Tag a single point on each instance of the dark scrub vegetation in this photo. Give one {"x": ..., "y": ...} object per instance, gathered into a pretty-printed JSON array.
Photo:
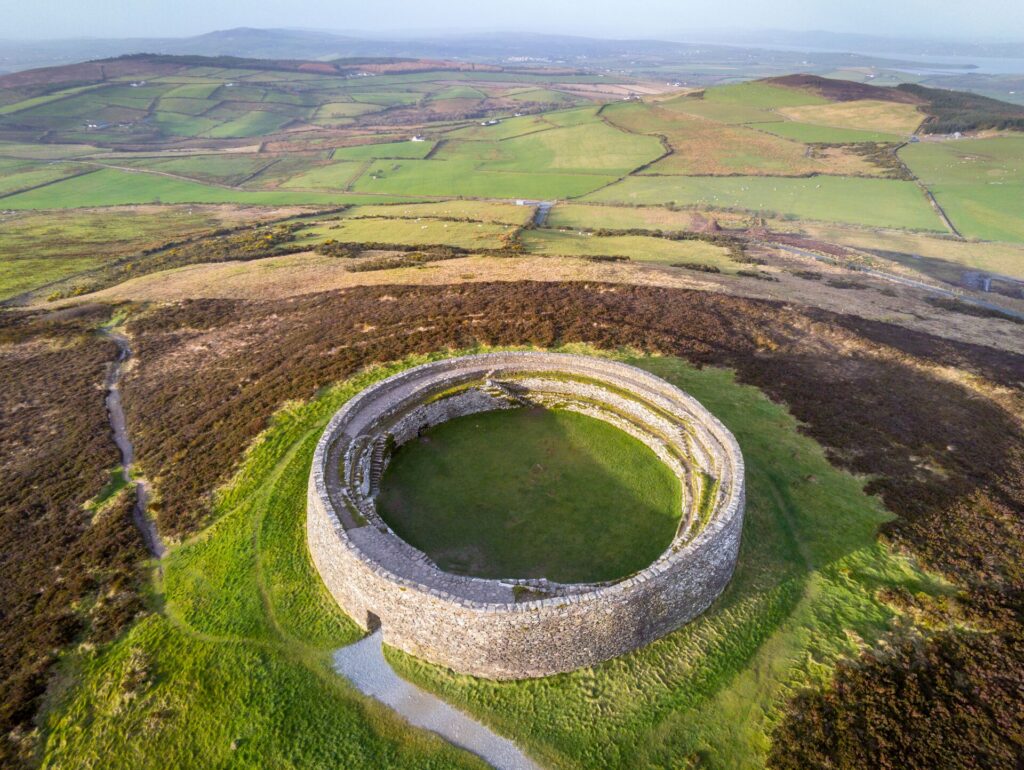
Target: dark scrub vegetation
[
  {"x": 68, "y": 573},
  {"x": 950, "y": 111}
]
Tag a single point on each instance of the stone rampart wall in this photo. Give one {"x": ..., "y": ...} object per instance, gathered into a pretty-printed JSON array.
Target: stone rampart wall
[{"x": 495, "y": 628}]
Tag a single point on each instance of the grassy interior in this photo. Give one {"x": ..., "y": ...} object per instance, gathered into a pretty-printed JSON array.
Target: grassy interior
[{"x": 532, "y": 493}]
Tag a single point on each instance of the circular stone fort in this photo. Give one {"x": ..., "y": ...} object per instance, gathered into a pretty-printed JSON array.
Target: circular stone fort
[{"x": 518, "y": 628}]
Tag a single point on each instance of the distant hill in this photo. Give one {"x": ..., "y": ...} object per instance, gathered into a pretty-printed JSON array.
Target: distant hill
[{"x": 152, "y": 65}]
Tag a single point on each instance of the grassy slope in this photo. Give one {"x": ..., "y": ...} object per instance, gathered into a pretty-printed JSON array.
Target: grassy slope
[
  {"x": 462, "y": 177},
  {"x": 235, "y": 671},
  {"x": 978, "y": 182},
  {"x": 477, "y": 495},
  {"x": 853, "y": 200},
  {"x": 805, "y": 592}
]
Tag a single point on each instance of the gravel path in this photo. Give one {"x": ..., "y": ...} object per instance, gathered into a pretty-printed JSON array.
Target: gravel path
[
  {"x": 364, "y": 665},
  {"x": 117, "y": 425}
]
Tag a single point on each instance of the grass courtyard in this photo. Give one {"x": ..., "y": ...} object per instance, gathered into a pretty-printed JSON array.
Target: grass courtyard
[{"x": 532, "y": 493}]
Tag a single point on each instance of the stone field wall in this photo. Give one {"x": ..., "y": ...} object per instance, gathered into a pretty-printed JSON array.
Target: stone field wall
[{"x": 511, "y": 629}]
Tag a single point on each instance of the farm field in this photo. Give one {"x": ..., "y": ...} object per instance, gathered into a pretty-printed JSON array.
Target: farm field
[
  {"x": 591, "y": 147},
  {"x": 853, "y": 200},
  {"x": 979, "y": 183},
  {"x": 592, "y": 216},
  {"x": 818, "y": 134},
  {"x": 17, "y": 175},
  {"x": 701, "y": 146},
  {"x": 476, "y": 494},
  {"x": 640, "y": 248},
  {"x": 464, "y": 177},
  {"x": 336, "y": 176},
  {"x": 409, "y": 232},
  {"x": 223, "y": 169},
  {"x": 743, "y": 103},
  {"x": 112, "y": 187},
  {"x": 479, "y": 211}
]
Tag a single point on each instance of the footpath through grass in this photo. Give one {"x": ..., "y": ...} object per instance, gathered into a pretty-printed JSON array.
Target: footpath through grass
[
  {"x": 532, "y": 493},
  {"x": 233, "y": 670}
]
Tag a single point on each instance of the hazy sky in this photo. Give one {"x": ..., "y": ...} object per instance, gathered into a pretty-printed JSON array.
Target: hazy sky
[{"x": 609, "y": 18}]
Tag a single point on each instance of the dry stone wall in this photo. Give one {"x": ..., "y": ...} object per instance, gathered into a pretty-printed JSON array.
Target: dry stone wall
[{"x": 512, "y": 629}]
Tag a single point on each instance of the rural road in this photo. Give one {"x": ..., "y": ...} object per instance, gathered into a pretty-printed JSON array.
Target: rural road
[
  {"x": 364, "y": 665},
  {"x": 115, "y": 412}
]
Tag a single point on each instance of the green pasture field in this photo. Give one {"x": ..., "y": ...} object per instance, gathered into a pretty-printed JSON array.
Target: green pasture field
[
  {"x": 387, "y": 98},
  {"x": 407, "y": 149},
  {"x": 477, "y": 494},
  {"x": 22, "y": 174},
  {"x": 978, "y": 182},
  {"x": 112, "y": 187},
  {"x": 639, "y": 248},
  {"x": 853, "y": 200},
  {"x": 743, "y": 102},
  {"x": 480, "y": 211},
  {"x": 201, "y": 91},
  {"x": 242, "y": 604},
  {"x": 574, "y": 117},
  {"x": 806, "y": 593},
  {"x": 542, "y": 95},
  {"x": 254, "y": 123},
  {"x": 506, "y": 129},
  {"x": 701, "y": 146},
  {"x": 223, "y": 168},
  {"x": 40, "y": 248},
  {"x": 344, "y": 110},
  {"x": 458, "y": 92},
  {"x": 813, "y": 134},
  {"x": 335, "y": 176},
  {"x": 175, "y": 124},
  {"x": 409, "y": 232},
  {"x": 193, "y": 107},
  {"x": 56, "y": 96},
  {"x": 463, "y": 177},
  {"x": 24, "y": 150},
  {"x": 588, "y": 148},
  {"x": 286, "y": 166}
]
